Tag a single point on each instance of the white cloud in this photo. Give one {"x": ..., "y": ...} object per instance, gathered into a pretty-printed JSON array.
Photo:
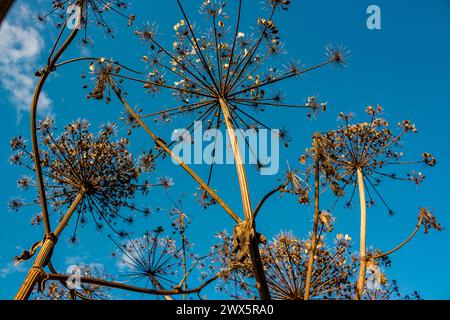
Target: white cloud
[
  {"x": 21, "y": 46},
  {"x": 78, "y": 259},
  {"x": 10, "y": 268}
]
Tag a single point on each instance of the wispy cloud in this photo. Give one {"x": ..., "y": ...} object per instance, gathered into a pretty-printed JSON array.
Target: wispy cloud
[
  {"x": 10, "y": 268},
  {"x": 78, "y": 259},
  {"x": 21, "y": 46}
]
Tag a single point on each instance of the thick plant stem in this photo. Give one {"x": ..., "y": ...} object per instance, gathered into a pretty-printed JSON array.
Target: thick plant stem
[
  {"x": 44, "y": 255},
  {"x": 34, "y": 139},
  {"x": 36, "y": 273},
  {"x": 37, "y": 157},
  {"x": 362, "y": 241},
  {"x": 314, "y": 239},
  {"x": 258, "y": 268},
  {"x": 164, "y": 146}
]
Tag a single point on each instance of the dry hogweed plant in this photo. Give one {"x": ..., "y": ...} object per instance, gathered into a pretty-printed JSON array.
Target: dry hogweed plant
[
  {"x": 94, "y": 177},
  {"x": 360, "y": 156},
  {"x": 88, "y": 177},
  {"x": 87, "y": 8},
  {"x": 333, "y": 162},
  {"x": 221, "y": 76},
  {"x": 286, "y": 259},
  {"x": 224, "y": 77}
]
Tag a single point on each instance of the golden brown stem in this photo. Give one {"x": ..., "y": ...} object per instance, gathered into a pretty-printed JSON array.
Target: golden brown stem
[
  {"x": 314, "y": 239},
  {"x": 45, "y": 253},
  {"x": 33, "y": 114},
  {"x": 362, "y": 241},
  {"x": 258, "y": 268}
]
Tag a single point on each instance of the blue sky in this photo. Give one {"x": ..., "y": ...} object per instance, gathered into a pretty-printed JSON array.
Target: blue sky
[{"x": 404, "y": 67}]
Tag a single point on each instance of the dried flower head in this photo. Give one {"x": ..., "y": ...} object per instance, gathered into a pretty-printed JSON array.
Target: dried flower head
[
  {"x": 369, "y": 147},
  {"x": 429, "y": 220},
  {"x": 208, "y": 70},
  {"x": 78, "y": 161},
  {"x": 285, "y": 260},
  {"x": 153, "y": 259},
  {"x": 87, "y": 13}
]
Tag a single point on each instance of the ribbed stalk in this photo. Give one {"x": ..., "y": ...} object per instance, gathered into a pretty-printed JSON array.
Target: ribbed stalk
[
  {"x": 33, "y": 121},
  {"x": 45, "y": 253},
  {"x": 255, "y": 256},
  {"x": 314, "y": 239},
  {"x": 362, "y": 238}
]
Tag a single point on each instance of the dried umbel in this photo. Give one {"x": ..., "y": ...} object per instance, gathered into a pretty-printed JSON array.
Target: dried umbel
[
  {"x": 101, "y": 69},
  {"x": 153, "y": 259},
  {"x": 205, "y": 69},
  {"x": 371, "y": 148},
  {"x": 220, "y": 77},
  {"x": 88, "y": 13},
  {"x": 76, "y": 162},
  {"x": 298, "y": 184},
  {"x": 285, "y": 261},
  {"x": 429, "y": 221}
]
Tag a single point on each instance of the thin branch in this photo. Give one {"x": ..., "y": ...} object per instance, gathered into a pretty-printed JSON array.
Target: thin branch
[
  {"x": 381, "y": 255},
  {"x": 127, "y": 287},
  {"x": 267, "y": 196}
]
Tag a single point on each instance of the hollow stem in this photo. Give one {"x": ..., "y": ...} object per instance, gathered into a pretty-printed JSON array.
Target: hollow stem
[
  {"x": 314, "y": 239},
  {"x": 362, "y": 241},
  {"x": 33, "y": 117},
  {"x": 36, "y": 273},
  {"x": 419, "y": 224},
  {"x": 255, "y": 256},
  {"x": 183, "y": 240}
]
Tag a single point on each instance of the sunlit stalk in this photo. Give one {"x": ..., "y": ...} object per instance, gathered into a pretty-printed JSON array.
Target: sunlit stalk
[
  {"x": 258, "y": 268},
  {"x": 45, "y": 253},
  {"x": 362, "y": 241},
  {"x": 314, "y": 239}
]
